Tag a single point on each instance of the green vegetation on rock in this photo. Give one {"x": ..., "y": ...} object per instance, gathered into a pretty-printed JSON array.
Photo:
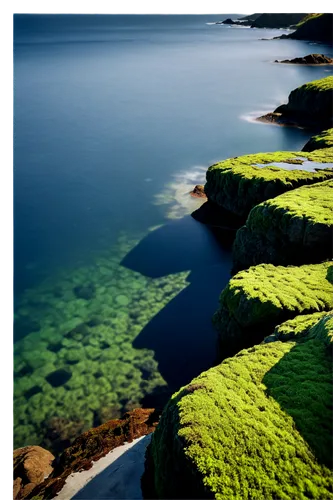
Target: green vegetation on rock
[
  {"x": 293, "y": 228},
  {"x": 257, "y": 426},
  {"x": 316, "y": 27},
  {"x": 296, "y": 327},
  {"x": 238, "y": 184},
  {"x": 255, "y": 301},
  {"x": 320, "y": 141}
]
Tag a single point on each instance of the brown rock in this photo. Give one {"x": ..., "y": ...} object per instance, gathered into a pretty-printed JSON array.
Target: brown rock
[
  {"x": 95, "y": 444},
  {"x": 198, "y": 192},
  {"x": 310, "y": 59},
  {"x": 32, "y": 464}
]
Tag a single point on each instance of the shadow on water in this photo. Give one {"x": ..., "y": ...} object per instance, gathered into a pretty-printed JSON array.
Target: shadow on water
[
  {"x": 181, "y": 334},
  {"x": 301, "y": 382}
]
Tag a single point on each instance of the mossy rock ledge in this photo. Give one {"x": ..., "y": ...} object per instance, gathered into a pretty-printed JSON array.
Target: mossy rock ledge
[
  {"x": 320, "y": 141},
  {"x": 294, "y": 228},
  {"x": 309, "y": 106},
  {"x": 258, "y": 299},
  {"x": 234, "y": 186},
  {"x": 258, "y": 426}
]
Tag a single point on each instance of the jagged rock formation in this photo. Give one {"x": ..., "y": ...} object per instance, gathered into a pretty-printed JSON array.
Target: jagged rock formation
[
  {"x": 93, "y": 445},
  {"x": 294, "y": 228},
  {"x": 256, "y": 426}
]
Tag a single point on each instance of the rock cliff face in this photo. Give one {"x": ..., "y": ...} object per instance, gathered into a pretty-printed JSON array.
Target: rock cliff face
[
  {"x": 294, "y": 228},
  {"x": 315, "y": 27},
  {"x": 277, "y": 20},
  {"x": 256, "y": 426},
  {"x": 308, "y": 106},
  {"x": 88, "y": 447}
]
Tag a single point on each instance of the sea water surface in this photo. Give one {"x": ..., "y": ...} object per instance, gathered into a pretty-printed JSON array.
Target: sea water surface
[{"x": 115, "y": 119}]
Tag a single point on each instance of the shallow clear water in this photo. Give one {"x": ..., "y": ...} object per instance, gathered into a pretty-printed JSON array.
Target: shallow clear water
[
  {"x": 115, "y": 119},
  {"x": 309, "y": 166}
]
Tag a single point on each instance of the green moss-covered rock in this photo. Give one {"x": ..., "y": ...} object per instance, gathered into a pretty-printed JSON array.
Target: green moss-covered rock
[
  {"x": 294, "y": 228},
  {"x": 238, "y": 184},
  {"x": 257, "y": 426},
  {"x": 316, "y": 27},
  {"x": 255, "y": 301},
  {"x": 310, "y": 106},
  {"x": 295, "y": 328},
  {"x": 320, "y": 141}
]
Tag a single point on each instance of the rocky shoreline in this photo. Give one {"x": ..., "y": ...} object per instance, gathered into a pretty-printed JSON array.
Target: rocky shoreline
[{"x": 257, "y": 425}]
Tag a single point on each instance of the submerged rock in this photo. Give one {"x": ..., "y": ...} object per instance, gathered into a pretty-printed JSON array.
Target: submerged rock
[
  {"x": 320, "y": 141},
  {"x": 256, "y": 426},
  {"x": 59, "y": 377},
  {"x": 32, "y": 464},
  {"x": 86, "y": 292},
  {"x": 255, "y": 301},
  {"x": 310, "y": 59},
  {"x": 309, "y": 106},
  {"x": 95, "y": 444},
  {"x": 293, "y": 228},
  {"x": 237, "y": 184}
]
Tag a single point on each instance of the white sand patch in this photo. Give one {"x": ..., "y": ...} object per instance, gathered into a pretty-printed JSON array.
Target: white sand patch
[{"x": 115, "y": 476}]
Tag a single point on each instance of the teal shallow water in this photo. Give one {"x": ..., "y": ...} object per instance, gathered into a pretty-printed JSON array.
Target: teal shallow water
[{"x": 115, "y": 120}]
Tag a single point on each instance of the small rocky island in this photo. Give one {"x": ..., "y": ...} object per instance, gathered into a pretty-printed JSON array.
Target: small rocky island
[{"x": 310, "y": 59}]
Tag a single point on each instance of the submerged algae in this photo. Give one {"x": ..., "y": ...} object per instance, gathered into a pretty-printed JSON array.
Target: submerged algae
[
  {"x": 89, "y": 343},
  {"x": 256, "y": 426}
]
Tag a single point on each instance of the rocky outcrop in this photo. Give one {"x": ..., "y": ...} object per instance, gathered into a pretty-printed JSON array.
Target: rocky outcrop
[
  {"x": 320, "y": 141},
  {"x": 314, "y": 27},
  {"x": 32, "y": 464},
  {"x": 309, "y": 106},
  {"x": 310, "y": 59},
  {"x": 198, "y": 191},
  {"x": 294, "y": 228},
  {"x": 277, "y": 20},
  {"x": 263, "y": 296},
  {"x": 256, "y": 426},
  {"x": 93, "y": 445},
  {"x": 236, "y": 185}
]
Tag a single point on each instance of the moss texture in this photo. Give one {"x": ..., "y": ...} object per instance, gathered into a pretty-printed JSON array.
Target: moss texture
[
  {"x": 238, "y": 184},
  {"x": 255, "y": 301},
  {"x": 316, "y": 27},
  {"x": 294, "y": 228},
  {"x": 320, "y": 141},
  {"x": 257, "y": 426}
]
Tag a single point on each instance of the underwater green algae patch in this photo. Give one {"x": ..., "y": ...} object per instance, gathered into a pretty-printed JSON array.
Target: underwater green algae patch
[
  {"x": 294, "y": 228},
  {"x": 258, "y": 299},
  {"x": 78, "y": 368},
  {"x": 256, "y": 426},
  {"x": 320, "y": 141},
  {"x": 238, "y": 184}
]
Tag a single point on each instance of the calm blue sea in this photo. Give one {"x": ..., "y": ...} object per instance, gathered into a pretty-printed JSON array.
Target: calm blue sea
[{"x": 115, "y": 119}]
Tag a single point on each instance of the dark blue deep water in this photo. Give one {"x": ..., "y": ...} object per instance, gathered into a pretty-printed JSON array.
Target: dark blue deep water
[{"x": 115, "y": 119}]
